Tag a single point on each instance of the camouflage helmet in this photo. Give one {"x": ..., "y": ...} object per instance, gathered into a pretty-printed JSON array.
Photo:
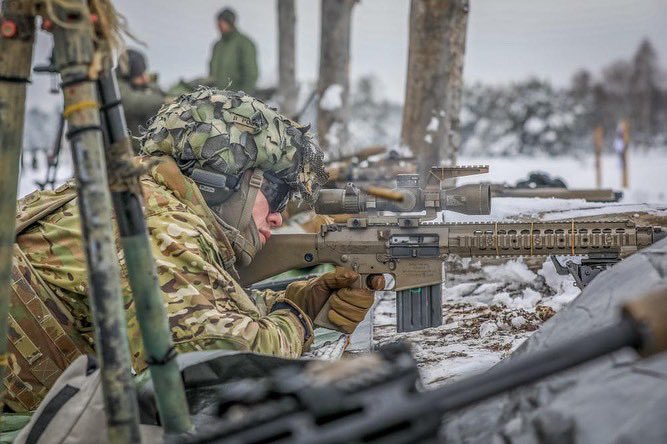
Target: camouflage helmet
[{"x": 228, "y": 133}]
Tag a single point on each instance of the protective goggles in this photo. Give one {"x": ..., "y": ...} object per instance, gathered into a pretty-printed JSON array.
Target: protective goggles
[{"x": 276, "y": 191}]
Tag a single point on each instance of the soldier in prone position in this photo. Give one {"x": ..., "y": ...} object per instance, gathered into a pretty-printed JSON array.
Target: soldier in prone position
[
  {"x": 141, "y": 98},
  {"x": 219, "y": 168}
]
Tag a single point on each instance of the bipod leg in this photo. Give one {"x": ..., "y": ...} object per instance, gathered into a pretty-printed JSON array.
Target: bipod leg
[
  {"x": 15, "y": 60},
  {"x": 53, "y": 158},
  {"x": 149, "y": 303},
  {"x": 74, "y": 56}
]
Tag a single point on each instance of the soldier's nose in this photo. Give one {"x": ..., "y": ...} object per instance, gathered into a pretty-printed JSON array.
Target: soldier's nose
[{"x": 275, "y": 220}]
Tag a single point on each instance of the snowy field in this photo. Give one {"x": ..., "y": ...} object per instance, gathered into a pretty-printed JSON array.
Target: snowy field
[{"x": 647, "y": 178}]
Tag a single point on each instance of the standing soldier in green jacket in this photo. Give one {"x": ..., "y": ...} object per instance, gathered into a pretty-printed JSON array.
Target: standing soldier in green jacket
[
  {"x": 233, "y": 64},
  {"x": 141, "y": 98}
]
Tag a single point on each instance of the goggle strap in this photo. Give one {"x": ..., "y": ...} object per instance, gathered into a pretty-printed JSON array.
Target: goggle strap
[{"x": 253, "y": 189}]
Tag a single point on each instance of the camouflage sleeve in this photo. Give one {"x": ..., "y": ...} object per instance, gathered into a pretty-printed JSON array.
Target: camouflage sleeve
[
  {"x": 207, "y": 308},
  {"x": 265, "y": 299}
]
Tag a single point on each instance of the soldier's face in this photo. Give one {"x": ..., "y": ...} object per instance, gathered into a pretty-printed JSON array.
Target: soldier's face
[
  {"x": 223, "y": 26},
  {"x": 264, "y": 219}
]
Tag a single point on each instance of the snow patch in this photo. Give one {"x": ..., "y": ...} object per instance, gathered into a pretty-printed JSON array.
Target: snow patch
[
  {"x": 534, "y": 125},
  {"x": 514, "y": 270},
  {"x": 433, "y": 125},
  {"x": 487, "y": 329},
  {"x": 518, "y": 322},
  {"x": 332, "y": 98},
  {"x": 563, "y": 286}
]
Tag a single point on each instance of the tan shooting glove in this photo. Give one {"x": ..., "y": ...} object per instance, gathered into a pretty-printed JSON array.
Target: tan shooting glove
[{"x": 348, "y": 305}]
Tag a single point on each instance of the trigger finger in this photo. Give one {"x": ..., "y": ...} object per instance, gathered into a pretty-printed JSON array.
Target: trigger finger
[{"x": 341, "y": 278}]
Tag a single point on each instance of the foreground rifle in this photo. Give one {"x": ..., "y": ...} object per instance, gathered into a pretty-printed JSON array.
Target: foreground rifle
[
  {"x": 411, "y": 248},
  {"x": 377, "y": 397}
]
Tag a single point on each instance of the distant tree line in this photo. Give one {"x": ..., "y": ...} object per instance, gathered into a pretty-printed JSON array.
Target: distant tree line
[
  {"x": 632, "y": 89},
  {"x": 533, "y": 116}
]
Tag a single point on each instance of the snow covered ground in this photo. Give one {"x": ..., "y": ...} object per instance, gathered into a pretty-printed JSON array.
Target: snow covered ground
[
  {"x": 647, "y": 178},
  {"x": 488, "y": 311}
]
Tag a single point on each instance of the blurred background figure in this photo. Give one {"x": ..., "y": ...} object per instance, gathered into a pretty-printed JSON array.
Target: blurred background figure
[
  {"x": 139, "y": 93},
  {"x": 233, "y": 64}
]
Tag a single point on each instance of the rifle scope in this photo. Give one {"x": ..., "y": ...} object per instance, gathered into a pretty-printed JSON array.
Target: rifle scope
[{"x": 471, "y": 199}]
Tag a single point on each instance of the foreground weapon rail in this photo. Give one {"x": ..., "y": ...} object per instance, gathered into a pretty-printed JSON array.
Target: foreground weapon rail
[
  {"x": 377, "y": 398},
  {"x": 412, "y": 251}
]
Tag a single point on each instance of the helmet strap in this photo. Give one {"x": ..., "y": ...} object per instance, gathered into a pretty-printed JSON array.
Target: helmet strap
[{"x": 251, "y": 197}]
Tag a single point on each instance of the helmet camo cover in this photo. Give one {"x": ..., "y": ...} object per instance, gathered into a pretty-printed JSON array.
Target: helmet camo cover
[{"x": 229, "y": 132}]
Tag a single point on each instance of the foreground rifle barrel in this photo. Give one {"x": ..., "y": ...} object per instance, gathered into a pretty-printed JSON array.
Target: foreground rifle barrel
[
  {"x": 529, "y": 368},
  {"x": 643, "y": 327}
]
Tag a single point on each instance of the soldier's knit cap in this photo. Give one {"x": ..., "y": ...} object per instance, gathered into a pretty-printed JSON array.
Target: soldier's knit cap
[
  {"x": 131, "y": 64},
  {"x": 230, "y": 132},
  {"x": 227, "y": 15}
]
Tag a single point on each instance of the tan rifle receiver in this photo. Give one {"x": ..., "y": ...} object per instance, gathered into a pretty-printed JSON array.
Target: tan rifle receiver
[{"x": 412, "y": 251}]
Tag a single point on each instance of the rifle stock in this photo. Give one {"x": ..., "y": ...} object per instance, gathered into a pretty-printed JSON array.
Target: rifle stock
[{"x": 281, "y": 253}]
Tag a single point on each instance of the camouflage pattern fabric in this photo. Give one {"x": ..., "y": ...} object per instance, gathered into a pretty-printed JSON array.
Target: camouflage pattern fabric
[
  {"x": 207, "y": 308},
  {"x": 229, "y": 133}
]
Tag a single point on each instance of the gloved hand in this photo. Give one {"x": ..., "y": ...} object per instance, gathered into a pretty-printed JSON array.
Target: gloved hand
[{"x": 348, "y": 306}]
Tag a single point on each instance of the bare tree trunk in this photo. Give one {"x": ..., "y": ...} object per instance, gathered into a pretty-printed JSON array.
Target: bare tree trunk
[
  {"x": 287, "y": 87},
  {"x": 333, "y": 85},
  {"x": 431, "y": 126}
]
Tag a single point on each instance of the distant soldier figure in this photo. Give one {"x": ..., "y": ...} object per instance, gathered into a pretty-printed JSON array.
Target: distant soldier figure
[
  {"x": 233, "y": 64},
  {"x": 219, "y": 166},
  {"x": 141, "y": 98}
]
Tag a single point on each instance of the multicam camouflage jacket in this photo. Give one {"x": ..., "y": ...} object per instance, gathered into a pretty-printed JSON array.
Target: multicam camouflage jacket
[{"x": 50, "y": 318}]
